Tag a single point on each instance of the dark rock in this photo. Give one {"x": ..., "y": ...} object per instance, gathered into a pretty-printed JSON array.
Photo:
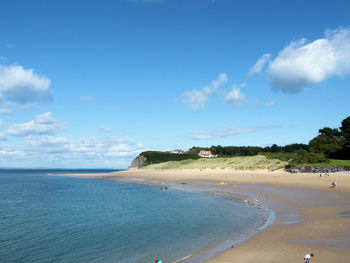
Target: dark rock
[
  {"x": 138, "y": 162},
  {"x": 315, "y": 169}
]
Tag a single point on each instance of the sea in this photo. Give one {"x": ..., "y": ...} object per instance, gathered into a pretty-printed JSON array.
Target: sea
[{"x": 46, "y": 217}]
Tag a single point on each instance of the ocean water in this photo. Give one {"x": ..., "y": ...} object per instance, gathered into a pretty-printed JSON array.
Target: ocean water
[{"x": 50, "y": 218}]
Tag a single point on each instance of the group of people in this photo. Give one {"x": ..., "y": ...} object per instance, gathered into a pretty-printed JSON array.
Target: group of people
[
  {"x": 256, "y": 203},
  {"x": 333, "y": 184}
]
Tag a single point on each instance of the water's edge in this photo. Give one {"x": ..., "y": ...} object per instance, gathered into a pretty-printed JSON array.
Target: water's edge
[{"x": 205, "y": 254}]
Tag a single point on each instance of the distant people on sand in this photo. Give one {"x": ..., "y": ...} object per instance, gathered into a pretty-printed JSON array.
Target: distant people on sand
[
  {"x": 251, "y": 202},
  {"x": 334, "y": 184},
  {"x": 246, "y": 203},
  {"x": 324, "y": 175},
  {"x": 308, "y": 257}
]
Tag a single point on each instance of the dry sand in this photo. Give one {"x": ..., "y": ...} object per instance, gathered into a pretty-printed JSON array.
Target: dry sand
[{"x": 310, "y": 216}]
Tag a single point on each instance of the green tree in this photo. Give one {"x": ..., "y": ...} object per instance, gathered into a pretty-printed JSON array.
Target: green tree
[
  {"x": 328, "y": 142},
  {"x": 330, "y": 132},
  {"x": 345, "y": 128},
  {"x": 344, "y": 153}
]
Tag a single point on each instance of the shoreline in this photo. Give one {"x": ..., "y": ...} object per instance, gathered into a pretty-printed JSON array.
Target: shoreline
[{"x": 310, "y": 217}]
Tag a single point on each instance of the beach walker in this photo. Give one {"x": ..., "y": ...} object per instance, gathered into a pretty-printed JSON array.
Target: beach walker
[{"x": 308, "y": 257}]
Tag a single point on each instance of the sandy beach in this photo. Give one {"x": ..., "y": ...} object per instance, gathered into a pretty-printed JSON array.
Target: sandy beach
[{"x": 311, "y": 217}]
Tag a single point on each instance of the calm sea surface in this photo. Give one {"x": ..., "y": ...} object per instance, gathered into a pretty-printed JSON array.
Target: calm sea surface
[{"x": 48, "y": 218}]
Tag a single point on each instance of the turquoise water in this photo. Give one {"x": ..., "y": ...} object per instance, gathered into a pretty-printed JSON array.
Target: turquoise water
[{"x": 47, "y": 218}]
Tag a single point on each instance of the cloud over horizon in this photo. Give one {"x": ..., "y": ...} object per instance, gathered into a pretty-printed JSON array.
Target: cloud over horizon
[
  {"x": 197, "y": 98},
  {"x": 43, "y": 124},
  {"x": 93, "y": 152}
]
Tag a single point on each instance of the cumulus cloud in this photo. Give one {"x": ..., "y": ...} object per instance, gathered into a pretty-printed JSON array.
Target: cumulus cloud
[
  {"x": 259, "y": 65},
  {"x": 235, "y": 96},
  {"x": 304, "y": 63},
  {"x": 197, "y": 98},
  {"x": 23, "y": 86},
  {"x": 270, "y": 103},
  {"x": 224, "y": 132},
  {"x": 43, "y": 124}
]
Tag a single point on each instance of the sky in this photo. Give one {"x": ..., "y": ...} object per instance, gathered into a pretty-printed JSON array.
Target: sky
[{"x": 91, "y": 84}]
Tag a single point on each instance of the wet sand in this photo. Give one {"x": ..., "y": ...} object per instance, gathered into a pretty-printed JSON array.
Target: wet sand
[{"x": 310, "y": 216}]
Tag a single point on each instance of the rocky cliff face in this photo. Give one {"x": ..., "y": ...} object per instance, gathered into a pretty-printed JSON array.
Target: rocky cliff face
[
  {"x": 138, "y": 162},
  {"x": 315, "y": 169}
]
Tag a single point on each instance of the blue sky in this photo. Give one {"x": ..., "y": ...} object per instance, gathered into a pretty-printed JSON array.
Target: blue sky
[{"x": 93, "y": 83}]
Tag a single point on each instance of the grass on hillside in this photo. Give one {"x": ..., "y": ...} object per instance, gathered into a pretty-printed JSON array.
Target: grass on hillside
[
  {"x": 340, "y": 162},
  {"x": 239, "y": 163}
]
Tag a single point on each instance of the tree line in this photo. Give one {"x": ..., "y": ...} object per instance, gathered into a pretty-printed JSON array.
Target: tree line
[{"x": 329, "y": 143}]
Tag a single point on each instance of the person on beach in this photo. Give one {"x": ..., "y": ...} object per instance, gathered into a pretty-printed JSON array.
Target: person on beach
[
  {"x": 308, "y": 257},
  {"x": 257, "y": 202},
  {"x": 334, "y": 184},
  {"x": 159, "y": 261}
]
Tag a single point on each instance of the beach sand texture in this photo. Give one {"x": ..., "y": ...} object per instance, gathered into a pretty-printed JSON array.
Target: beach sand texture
[{"x": 310, "y": 216}]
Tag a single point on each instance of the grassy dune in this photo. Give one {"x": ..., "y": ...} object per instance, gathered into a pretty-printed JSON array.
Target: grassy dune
[{"x": 239, "y": 163}]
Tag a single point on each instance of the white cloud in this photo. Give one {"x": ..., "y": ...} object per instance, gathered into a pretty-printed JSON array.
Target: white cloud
[
  {"x": 95, "y": 152},
  {"x": 225, "y": 132},
  {"x": 23, "y": 85},
  {"x": 6, "y": 107},
  {"x": 197, "y": 98},
  {"x": 228, "y": 131},
  {"x": 259, "y": 65},
  {"x": 105, "y": 129},
  {"x": 302, "y": 64},
  {"x": 43, "y": 124},
  {"x": 87, "y": 98},
  {"x": 84, "y": 147},
  {"x": 270, "y": 103},
  {"x": 235, "y": 96}
]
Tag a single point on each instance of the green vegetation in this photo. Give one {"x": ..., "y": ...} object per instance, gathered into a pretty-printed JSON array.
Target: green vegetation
[
  {"x": 343, "y": 163},
  {"x": 300, "y": 157},
  {"x": 330, "y": 148},
  {"x": 239, "y": 163},
  {"x": 153, "y": 157}
]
